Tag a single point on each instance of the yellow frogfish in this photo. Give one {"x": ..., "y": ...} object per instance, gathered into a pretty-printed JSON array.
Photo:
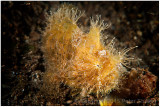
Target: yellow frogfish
[{"x": 78, "y": 59}]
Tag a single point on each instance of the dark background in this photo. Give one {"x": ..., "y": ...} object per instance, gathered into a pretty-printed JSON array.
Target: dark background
[{"x": 133, "y": 24}]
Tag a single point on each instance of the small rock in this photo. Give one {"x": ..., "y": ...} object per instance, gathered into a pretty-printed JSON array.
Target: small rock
[
  {"x": 135, "y": 37},
  {"x": 139, "y": 33},
  {"x": 69, "y": 101},
  {"x": 49, "y": 104}
]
